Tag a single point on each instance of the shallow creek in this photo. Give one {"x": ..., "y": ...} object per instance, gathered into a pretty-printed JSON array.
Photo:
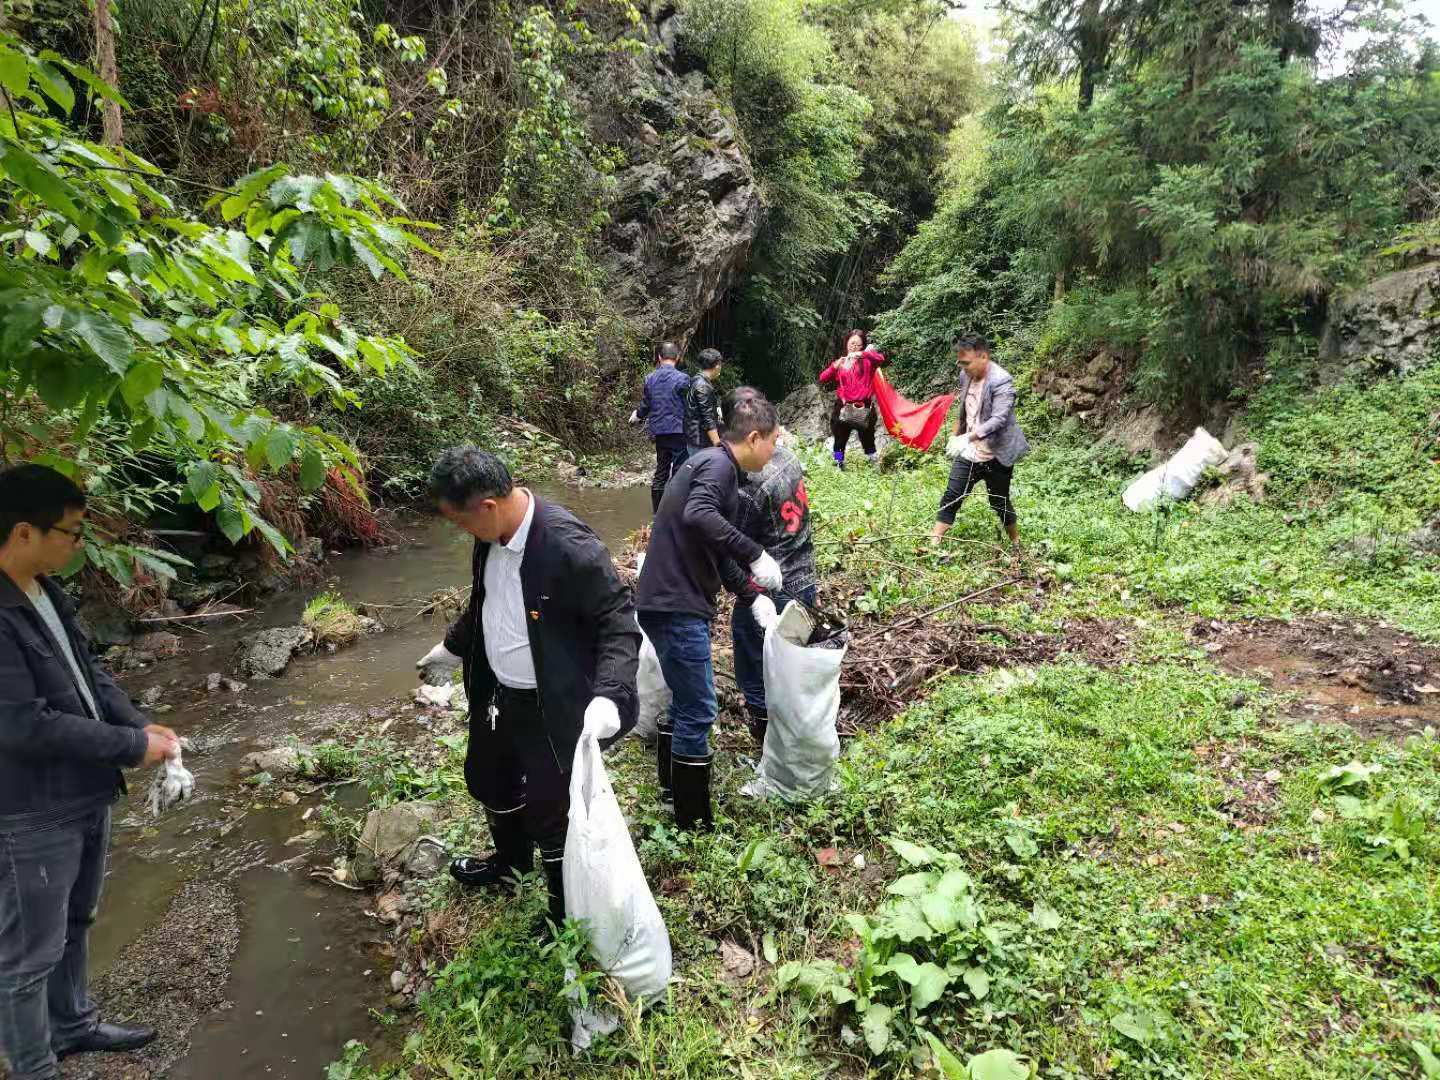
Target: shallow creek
[{"x": 307, "y": 970}]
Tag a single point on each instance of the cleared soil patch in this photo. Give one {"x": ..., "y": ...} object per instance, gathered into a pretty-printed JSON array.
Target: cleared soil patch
[{"x": 1375, "y": 679}]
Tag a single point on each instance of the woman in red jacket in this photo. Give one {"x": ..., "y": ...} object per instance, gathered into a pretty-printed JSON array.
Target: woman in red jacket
[{"x": 854, "y": 410}]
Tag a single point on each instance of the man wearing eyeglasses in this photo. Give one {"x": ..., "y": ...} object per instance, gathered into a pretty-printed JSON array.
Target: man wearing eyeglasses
[{"x": 66, "y": 732}]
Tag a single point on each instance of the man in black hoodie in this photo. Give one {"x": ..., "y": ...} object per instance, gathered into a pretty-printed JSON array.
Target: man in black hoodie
[
  {"x": 549, "y": 649},
  {"x": 694, "y": 549},
  {"x": 66, "y": 731}
]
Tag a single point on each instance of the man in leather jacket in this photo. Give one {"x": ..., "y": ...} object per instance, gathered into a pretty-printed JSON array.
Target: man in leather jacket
[{"x": 702, "y": 403}]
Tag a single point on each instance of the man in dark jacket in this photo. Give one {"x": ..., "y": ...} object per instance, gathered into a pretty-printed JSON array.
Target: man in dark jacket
[
  {"x": 702, "y": 403},
  {"x": 66, "y": 731},
  {"x": 694, "y": 549},
  {"x": 663, "y": 410},
  {"x": 775, "y": 511},
  {"x": 549, "y": 648}
]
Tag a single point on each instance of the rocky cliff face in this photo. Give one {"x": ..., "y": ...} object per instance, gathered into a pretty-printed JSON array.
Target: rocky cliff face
[
  {"x": 687, "y": 207},
  {"x": 1391, "y": 323}
]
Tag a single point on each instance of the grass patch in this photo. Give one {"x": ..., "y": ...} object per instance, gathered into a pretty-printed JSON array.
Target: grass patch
[{"x": 333, "y": 620}]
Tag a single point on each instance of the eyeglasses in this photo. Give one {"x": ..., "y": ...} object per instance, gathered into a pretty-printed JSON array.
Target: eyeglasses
[{"x": 76, "y": 535}]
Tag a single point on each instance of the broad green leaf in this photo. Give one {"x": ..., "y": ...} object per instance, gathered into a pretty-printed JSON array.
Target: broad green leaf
[
  {"x": 201, "y": 477},
  {"x": 903, "y": 965},
  {"x": 14, "y": 71},
  {"x": 941, "y": 912},
  {"x": 905, "y": 921},
  {"x": 273, "y": 536},
  {"x": 151, "y": 330},
  {"x": 1044, "y": 916},
  {"x": 949, "y": 1064},
  {"x": 280, "y": 446},
  {"x": 929, "y": 985},
  {"x": 997, "y": 1065},
  {"x": 955, "y": 883},
  {"x": 106, "y": 338},
  {"x": 1021, "y": 844},
  {"x": 1429, "y": 1063},
  {"x": 768, "y": 949},
  {"x": 54, "y": 85},
  {"x": 1354, "y": 774},
  {"x": 913, "y": 854},
  {"x": 247, "y": 190},
  {"x": 60, "y": 383},
  {"x": 912, "y": 884},
  {"x": 38, "y": 242},
  {"x": 312, "y": 473},
  {"x": 143, "y": 378},
  {"x": 1139, "y": 1025},
  {"x": 231, "y": 523},
  {"x": 876, "y": 1026},
  {"x": 977, "y": 982},
  {"x": 50, "y": 189}
]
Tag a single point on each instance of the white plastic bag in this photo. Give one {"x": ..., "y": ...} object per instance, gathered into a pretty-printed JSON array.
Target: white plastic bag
[
  {"x": 654, "y": 694},
  {"x": 606, "y": 889},
  {"x": 1177, "y": 477},
  {"x": 173, "y": 783},
  {"x": 802, "y": 691}
]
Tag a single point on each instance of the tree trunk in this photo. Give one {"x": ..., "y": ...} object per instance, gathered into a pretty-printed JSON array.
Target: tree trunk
[{"x": 107, "y": 70}]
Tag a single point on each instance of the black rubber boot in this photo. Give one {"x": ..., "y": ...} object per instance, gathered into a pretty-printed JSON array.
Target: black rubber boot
[
  {"x": 514, "y": 855},
  {"x": 759, "y": 721},
  {"x": 692, "y": 793},
  {"x": 663, "y": 769}
]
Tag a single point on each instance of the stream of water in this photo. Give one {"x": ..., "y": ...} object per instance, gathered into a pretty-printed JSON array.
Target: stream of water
[{"x": 307, "y": 971}]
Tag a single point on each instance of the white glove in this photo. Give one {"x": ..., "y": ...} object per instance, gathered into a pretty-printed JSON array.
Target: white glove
[
  {"x": 635, "y": 417},
  {"x": 602, "y": 718},
  {"x": 766, "y": 572},
  {"x": 763, "y": 610},
  {"x": 956, "y": 446},
  {"x": 438, "y": 666},
  {"x": 173, "y": 783}
]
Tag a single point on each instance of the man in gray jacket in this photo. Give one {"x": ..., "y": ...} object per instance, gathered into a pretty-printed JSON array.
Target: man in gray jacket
[
  {"x": 987, "y": 442},
  {"x": 66, "y": 731}
]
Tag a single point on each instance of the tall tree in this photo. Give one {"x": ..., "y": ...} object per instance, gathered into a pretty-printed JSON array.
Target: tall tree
[{"x": 106, "y": 68}]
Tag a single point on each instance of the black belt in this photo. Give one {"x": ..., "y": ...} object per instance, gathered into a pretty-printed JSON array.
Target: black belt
[{"x": 501, "y": 690}]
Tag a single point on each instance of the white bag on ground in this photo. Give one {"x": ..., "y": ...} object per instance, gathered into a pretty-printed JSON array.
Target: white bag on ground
[
  {"x": 1177, "y": 477},
  {"x": 606, "y": 889},
  {"x": 802, "y": 692}
]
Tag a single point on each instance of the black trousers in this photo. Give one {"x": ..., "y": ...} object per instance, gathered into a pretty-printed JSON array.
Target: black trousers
[
  {"x": 514, "y": 770},
  {"x": 670, "y": 454},
  {"x": 964, "y": 475},
  {"x": 840, "y": 431}
]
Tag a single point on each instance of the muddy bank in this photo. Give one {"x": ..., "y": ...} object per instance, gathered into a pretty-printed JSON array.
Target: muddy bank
[{"x": 1375, "y": 679}]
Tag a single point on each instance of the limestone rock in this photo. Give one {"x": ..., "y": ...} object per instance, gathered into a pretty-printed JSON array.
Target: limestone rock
[
  {"x": 160, "y": 645},
  {"x": 280, "y": 762},
  {"x": 388, "y": 832},
  {"x": 1388, "y": 323},
  {"x": 105, "y": 624},
  {"x": 686, "y": 208},
  {"x": 1239, "y": 477},
  {"x": 267, "y": 653},
  {"x": 424, "y": 858}
]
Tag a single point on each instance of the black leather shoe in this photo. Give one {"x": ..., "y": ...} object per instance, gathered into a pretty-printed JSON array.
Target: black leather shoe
[
  {"x": 111, "y": 1037},
  {"x": 487, "y": 873}
]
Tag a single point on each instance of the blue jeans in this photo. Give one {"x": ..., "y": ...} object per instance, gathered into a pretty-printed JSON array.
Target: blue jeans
[
  {"x": 50, "y": 883},
  {"x": 682, "y": 644},
  {"x": 749, "y": 650}
]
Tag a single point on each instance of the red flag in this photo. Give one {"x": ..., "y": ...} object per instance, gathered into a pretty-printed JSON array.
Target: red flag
[{"x": 913, "y": 424}]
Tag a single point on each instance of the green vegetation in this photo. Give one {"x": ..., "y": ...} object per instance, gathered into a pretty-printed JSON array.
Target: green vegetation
[
  {"x": 334, "y": 621},
  {"x": 1213, "y": 184},
  {"x": 1123, "y": 862}
]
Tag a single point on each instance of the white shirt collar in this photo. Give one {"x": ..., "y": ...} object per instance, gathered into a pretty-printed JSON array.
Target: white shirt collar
[{"x": 517, "y": 542}]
